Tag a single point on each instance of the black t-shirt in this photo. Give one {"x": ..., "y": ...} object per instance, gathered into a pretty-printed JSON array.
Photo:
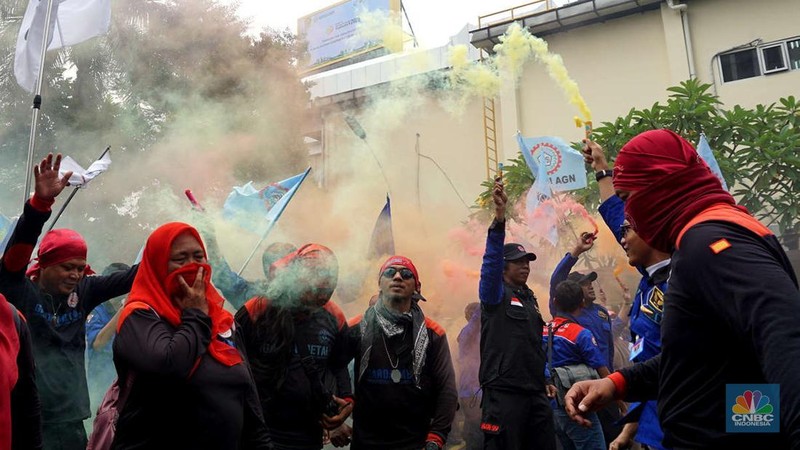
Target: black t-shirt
[
  {"x": 731, "y": 316},
  {"x": 292, "y": 410}
]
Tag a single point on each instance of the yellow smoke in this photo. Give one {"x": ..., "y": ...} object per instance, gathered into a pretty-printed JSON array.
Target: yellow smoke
[
  {"x": 515, "y": 48},
  {"x": 477, "y": 78},
  {"x": 381, "y": 26}
]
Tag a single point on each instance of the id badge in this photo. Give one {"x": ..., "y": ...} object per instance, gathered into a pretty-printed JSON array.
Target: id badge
[{"x": 637, "y": 347}]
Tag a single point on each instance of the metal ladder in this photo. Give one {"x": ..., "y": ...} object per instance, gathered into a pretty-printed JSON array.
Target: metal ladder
[
  {"x": 490, "y": 132},
  {"x": 490, "y": 138}
]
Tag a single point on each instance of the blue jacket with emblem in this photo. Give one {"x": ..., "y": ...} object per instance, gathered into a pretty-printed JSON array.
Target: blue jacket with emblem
[
  {"x": 645, "y": 324},
  {"x": 594, "y": 317}
]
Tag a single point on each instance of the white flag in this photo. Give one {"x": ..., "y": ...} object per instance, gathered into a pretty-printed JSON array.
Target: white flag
[
  {"x": 71, "y": 22},
  {"x": 80, "y": 176}
]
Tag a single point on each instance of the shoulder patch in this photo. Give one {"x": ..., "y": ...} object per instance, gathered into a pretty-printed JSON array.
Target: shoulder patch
[
  {"x": 354, "y": 321},
  {"x": 720, "y": 246},
  {"x": 256, "y": 306},
  {"x": 570, "y": 331},
  {"x": 433, "y": 326},
  {"x": 336, "y": 312}
]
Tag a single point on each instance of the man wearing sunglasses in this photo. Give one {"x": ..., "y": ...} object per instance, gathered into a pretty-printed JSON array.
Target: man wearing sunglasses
[
  {"x": 648, "y": 303},
  {"x": 405, "y": 386},
  {"x": 516, "y": 412}
]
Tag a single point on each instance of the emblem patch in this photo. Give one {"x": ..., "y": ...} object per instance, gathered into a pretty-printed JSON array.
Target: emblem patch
[{"x": 72, "y": 300}]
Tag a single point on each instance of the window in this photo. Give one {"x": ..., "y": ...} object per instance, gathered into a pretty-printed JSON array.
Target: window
[
  {"x": 793, "y": 49},
  {"x": 772, "y": 58},
  {"x": 756, "y": 59},
  {"x": 739, "y": 65}
]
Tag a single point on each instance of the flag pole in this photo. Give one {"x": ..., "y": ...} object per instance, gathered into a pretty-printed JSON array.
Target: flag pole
[
  {"x": 252, "y": 253},
  {"x": 72, "y": 194},
  {"x": 271, "y": 224},
  {"x": 37, "y": 102}
]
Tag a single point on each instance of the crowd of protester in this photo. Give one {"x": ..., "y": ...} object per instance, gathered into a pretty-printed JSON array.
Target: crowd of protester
[{"x": 194, "y": 356}]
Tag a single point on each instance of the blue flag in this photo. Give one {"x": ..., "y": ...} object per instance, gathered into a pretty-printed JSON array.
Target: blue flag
[
  {"x": 541, "y": 215},
  {"x": 255, "y": 209},
  {"x": 382, "y": 242},
  {"x": 704, "y": 150},
  {"x": 565, "y": 165}
]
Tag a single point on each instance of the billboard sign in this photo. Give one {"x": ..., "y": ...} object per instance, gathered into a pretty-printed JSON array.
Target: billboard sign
[{"x": 331, "y": 32}]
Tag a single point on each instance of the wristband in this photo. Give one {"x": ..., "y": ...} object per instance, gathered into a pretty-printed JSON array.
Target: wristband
[
  {"x": 41, "y": 204},
  {"x": 620, "y": 385},
  {"x": 600, "y": 174}
]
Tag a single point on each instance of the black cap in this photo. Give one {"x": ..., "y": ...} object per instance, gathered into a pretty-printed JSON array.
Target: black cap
[
  {"x": 581, "y": 278},
  {"x": 512, "y": 252}
]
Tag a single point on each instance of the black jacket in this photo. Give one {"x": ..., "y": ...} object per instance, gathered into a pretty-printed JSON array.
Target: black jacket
[
  {"x": 731, "y": 316},
  {"x": 57, "y": 323},
  {"x": 293, "y": 406},
  {"x": 402, "y": 416},
  {"x": 512, "y": 357},
  {"x": 182, "y": 398}
]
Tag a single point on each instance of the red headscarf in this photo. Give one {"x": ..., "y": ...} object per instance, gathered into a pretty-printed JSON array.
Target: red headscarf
[
  {"x": 9, "y": 348},
  {"x": 672, "y": 185},
  {"x": 311, "y": 266},
  {"x": 58, "y": 246},
  {"x": 152, "y": 285},
  {"x": 398, "y": 260}
]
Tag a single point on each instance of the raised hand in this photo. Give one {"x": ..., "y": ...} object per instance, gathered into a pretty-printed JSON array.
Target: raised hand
[
  {"x": 593, "y": 154},
  {"x": 500, "y": 199},
  {"x": 48, "y": 184},
  {"x": 584, "y": 244}
]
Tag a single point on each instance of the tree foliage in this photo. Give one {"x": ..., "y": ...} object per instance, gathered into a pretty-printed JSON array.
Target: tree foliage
[
  {"x": 180, "y": 90},
  {"x": 756, "y": 148}
]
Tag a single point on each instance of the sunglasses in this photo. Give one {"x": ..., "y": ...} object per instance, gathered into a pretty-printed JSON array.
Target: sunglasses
[
  {"x": 406, "y": 274},
  {"x": 624, "y": 229}
]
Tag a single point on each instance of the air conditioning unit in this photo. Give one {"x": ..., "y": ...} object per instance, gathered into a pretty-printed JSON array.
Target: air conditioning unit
[{"x": 773, "y": 58}]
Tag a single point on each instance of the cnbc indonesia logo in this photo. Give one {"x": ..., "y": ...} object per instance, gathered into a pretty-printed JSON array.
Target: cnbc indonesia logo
[{"x": 752, "y": 409}]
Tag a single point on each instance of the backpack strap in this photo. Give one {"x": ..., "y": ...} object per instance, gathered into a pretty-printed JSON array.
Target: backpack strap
[{"x": 551, "y": 332}]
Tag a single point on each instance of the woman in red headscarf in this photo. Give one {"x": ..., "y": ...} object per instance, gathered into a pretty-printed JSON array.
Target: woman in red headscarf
[
  {"x": 295, "y": 338},
  {"x": 192, "y": 389}
]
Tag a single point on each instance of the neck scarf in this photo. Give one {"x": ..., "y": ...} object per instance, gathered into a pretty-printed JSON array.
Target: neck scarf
[
  {"x": 670, "y": 184},
  {"x": 152, "y": 286},
  {"x": 371, "y": 323}
]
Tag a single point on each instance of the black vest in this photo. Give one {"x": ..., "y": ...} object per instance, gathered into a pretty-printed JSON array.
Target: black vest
[{"x": 512, "y": 356}]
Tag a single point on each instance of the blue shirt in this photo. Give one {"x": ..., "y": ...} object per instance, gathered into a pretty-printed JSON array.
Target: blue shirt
[
  {"x": 645, "y": 322},
  {"x": 469, "y": 356},
  {"x": 573, "y": 344},
  {"x": 593, "y": 317},
  {"x": 99, "y": 363}
]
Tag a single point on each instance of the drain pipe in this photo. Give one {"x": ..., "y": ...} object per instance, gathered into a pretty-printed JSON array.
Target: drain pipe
[{"x": 687, "y": 35}]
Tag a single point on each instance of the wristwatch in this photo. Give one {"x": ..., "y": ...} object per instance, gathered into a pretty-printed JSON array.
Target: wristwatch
[{"x": 600, "y": 174}]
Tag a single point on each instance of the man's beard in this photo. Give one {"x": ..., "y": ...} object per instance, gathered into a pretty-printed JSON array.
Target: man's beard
[{"x": 394, "y": 298}]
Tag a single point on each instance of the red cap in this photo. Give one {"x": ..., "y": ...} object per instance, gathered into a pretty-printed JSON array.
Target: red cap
[
  {"x": 58, "y": 246},
  {"x": 398, "y": 260}
]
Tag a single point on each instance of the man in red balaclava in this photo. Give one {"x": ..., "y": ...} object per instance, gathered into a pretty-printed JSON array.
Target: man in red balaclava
[{"x": 727, "y": 373}]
